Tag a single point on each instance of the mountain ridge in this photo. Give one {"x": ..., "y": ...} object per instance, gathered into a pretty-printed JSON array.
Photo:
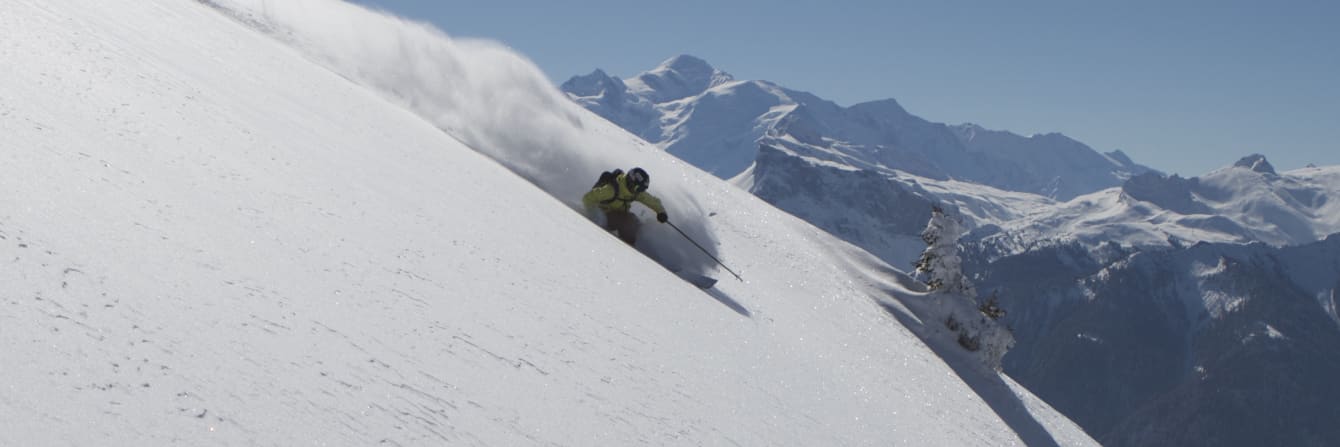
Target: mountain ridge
[
  {"x": 1240, "y": 203},
  {"x": 877, "y": 127}
]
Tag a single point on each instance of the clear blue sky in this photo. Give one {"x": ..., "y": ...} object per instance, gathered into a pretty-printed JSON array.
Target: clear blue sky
[{"x": 1181, "y": 86}]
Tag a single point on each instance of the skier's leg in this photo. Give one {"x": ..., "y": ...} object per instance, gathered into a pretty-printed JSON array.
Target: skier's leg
[
  {"x": 624, "y": 223},
  {"x": 630, "y": 229}
]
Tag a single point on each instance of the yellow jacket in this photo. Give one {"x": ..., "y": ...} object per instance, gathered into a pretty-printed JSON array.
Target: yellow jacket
[{"x": 616, "y": 196}]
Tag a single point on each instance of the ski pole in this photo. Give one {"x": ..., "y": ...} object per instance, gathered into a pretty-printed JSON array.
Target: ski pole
[{"x": 700, "y": 247}]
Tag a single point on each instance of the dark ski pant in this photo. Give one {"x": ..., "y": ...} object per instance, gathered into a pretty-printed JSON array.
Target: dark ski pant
[{"x": 623, "y": 223}]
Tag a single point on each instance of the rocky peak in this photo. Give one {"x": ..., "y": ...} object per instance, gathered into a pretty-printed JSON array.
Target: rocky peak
[
  {"x": 592, "y": 84},
  {"x": 1255, "y": 162}
]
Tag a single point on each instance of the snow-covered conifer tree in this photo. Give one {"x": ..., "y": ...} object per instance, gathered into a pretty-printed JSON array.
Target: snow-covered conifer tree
[
  {"x": 940, "y": 263},
  {"x": 973, "y": 326}
]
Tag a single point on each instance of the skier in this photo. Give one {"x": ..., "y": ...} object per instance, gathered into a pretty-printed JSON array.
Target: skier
[{"x": 615, "y": 192}]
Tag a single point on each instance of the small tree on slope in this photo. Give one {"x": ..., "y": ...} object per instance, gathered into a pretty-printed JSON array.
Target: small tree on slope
[
  {"x": 973, "y": 325},
  {"x": 940, "y": 263}
]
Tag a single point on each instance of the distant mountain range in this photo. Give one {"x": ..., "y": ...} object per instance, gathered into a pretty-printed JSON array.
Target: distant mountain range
[
  {"x": 1244, "y": 203},
  {"x": 777, "y": 143},
  {"x": 1151, "y": 309},
  {"x": 707, "y": 117}
]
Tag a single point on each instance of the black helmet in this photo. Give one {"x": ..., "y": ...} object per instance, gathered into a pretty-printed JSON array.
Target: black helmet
[{"x": 637, "y": 180}]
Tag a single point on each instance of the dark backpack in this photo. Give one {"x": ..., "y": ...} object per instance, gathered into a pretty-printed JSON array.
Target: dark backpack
[{"x": 607, "y": 178}]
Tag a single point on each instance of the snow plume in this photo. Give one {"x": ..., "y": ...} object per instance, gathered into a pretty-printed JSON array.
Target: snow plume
[{"x": 490, "y": 98}]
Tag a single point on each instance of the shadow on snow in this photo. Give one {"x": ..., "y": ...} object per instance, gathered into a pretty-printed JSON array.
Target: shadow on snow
[
  {"x": 987, "y": 384},
  {"x": 722, "y": 298}
]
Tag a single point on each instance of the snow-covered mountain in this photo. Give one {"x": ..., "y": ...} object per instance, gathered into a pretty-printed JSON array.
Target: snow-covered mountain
[
  {"x": 1196, "y": 311},
  {"x": 240, "y": 222},
  {"x": 1243, "y": 203},
  {"x": 746, "y": 129},
  {"x": 708, "y": 118},
  {"x": 1215, "y": 344}
]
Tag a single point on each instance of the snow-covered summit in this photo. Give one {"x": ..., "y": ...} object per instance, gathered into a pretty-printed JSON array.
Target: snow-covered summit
[{"x": 677, "y": 78}]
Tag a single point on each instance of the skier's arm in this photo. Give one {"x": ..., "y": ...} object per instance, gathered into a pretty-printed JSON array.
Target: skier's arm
[
  {"x": 597, "y": 195},
  {"x": 650, "y": 201}
]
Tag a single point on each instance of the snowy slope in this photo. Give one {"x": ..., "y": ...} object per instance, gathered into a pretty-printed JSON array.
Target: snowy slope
[{"x": 211, "y": 239}]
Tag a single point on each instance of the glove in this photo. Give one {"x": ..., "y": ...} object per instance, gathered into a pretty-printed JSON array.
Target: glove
[{"x": 662, "y": 218}]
